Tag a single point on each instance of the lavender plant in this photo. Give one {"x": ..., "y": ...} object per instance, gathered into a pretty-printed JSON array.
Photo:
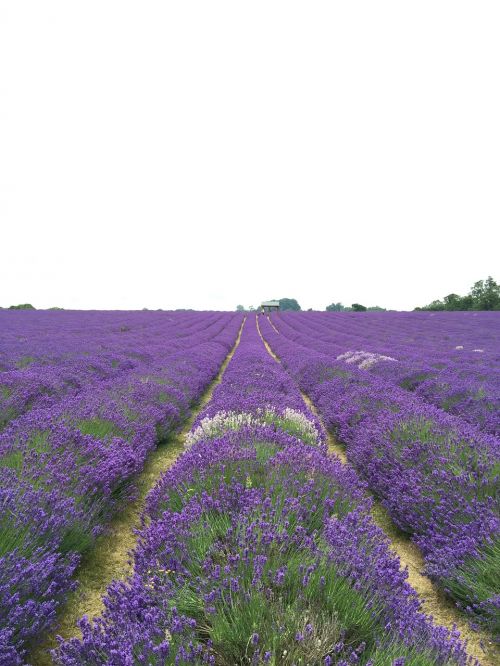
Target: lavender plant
[
  {"x": 437, "y": 475},
  {"x": 65, "y": 469},
  {"x": 258, "y": 547}
]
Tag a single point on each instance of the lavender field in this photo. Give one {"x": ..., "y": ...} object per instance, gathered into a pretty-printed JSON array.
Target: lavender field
[{"x": 257, "y": 540}]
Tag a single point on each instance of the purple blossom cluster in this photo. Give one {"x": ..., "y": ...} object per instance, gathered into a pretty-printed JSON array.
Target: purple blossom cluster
[
  {"x": 449, "y": 359},
  {"x": 258, "y": 548},
  {"x": 256, "y": 383},
  {"x": 437, "y": 475},
  {"x": 67, "y": 465},
  {"x": 47, "y": 356}
]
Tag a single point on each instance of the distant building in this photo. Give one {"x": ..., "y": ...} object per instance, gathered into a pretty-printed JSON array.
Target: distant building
[{"x": 270, "y": 306}]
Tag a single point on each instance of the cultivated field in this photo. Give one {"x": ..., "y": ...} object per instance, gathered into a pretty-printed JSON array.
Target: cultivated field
[{"x": 220, "y": 488}]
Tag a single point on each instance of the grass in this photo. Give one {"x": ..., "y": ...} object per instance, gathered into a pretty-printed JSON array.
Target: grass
[
  {"x": 410, "y": 383},
  {"x": 327, "y": 373},
  {"x": 291, "y": 427},
  {"x": 78, "y": 538},
  {"x": 478, "y": 579},
  {"x": 6, "y": 415},
  {"x": 301, "y": 625},
  {"x": 24, "y": 361},
  {"x": 13, "y": 537},
  {"x": 12, "y": 460},
  {"x": 451, "y": 400},
  {"x": 99, "y": 428},
  {"x": 38, "y": 442}
]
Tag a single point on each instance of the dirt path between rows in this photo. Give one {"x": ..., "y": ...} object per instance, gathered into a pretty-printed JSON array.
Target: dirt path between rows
[
  {"x": 111, "y": 559},
  {"x": 271, "y": 322},
  {"x": 434, "y": 602}
]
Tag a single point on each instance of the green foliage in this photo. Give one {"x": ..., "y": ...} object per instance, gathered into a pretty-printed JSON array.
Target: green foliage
[
  {"x": 484, "y": 295},
  {"x": 436, "y": 306},
  {"x": 12, "y": 537},
  {"x": 460, "y": 457},
  {"x": 289, "y": 304},
  {"x": 77, "y": 539},
  {"x": 292, "y": 427},
  {"x": 6, "y": 415},
  {"x": 5, "y": 392},
  {"x": 14, "y": 459},
  {"x": 452, "y": 302},
  {"x": 335, "y": 307},
  {"x": 356, "y": 307},
  {"x": 240, "y": 308},
  {"x": 24, "y": 361},
  {"x": 478, "y": 579},
  {"x": 299, "y": 623},
  {"x": 23, "y": 306},
  {"x": 329, "y": 606},
  {"x": 99, "y": 428}
]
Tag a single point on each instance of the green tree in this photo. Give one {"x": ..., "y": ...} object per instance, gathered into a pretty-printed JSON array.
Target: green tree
[
  {"x": 467, "y": 302},
  {"x": 23, "y": 306},
  {"x": 485, "y": 295},
  {"x": 357, "y": 307},
  {"x": 240, "y": 308},
  {"x": 289, "y": 304},
  {"x": 335, "y": 307},
  {"x": 452, "y": 302},
  {"x": 435, "y": 306}
]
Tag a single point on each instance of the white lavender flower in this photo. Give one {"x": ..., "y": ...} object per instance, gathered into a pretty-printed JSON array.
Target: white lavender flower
[
  {"x": 289, "y": 420},
  {"x": 364, "y": 360}
]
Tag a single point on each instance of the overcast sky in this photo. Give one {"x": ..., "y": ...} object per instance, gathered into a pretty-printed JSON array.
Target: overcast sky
[{"x": 205, "y": 154}]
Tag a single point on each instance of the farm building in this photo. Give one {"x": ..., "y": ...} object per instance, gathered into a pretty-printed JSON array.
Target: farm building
[{"x": 270, "y": 306}]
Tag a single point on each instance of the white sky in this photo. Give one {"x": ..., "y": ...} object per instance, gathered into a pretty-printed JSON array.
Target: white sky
[{"x": 205, "y": 154}]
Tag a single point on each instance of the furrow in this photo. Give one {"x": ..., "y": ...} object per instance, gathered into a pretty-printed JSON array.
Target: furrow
[
  {"x": 433, "y": 601},
  {"x": 111, "y": 557}
]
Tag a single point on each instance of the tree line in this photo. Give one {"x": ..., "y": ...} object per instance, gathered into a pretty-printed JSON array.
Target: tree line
[
  {"x": 483, "y": 295},
  {"x": 355, "y": 307},
  {"x": 292, "y": 304}
]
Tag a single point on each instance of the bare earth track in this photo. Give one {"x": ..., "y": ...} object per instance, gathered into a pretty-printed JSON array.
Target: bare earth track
[
  {"x": 110, "y": 559},
  {"x": 434, "y": 602}
]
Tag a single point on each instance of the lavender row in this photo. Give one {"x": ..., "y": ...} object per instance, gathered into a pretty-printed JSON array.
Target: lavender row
[
  {"x": 65, "y": 470},
  {"x": 108, "y": 355},
  {"x": 448, "y": 359},
  {"x": 437, "y": 476},
  {"x": 47, "y": 337},
  {"x": 256, "y": 391},
  {"x": 260, "y": 549}
]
